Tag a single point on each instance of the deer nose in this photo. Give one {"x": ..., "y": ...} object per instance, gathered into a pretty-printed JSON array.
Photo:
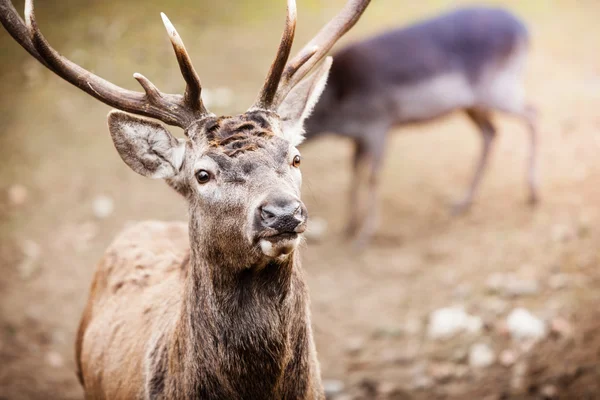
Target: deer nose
[{"x": 283, "y": 214}]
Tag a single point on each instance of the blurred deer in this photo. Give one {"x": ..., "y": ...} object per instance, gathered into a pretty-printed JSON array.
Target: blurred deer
[
  {"x": 218, "y": 309},
  {"x": 471, "y": 59}
]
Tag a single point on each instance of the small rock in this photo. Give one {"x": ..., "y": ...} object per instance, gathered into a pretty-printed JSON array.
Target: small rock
[
  {"x": 517, "y": 379},
  {"x": 54, "y": 359},
  {"x": 507, "y": 358},
  {"x": 459, "y": 355},
  {"x": 495, "y": 282},
  {"x": 511, "y": 285},
  {"x": 549, "y": 392},
  {"x": 355, "y": 345},
  {"x": 522, "y": 287},
  {"x": 526, "y": 345},
  {"x": 422, "y": 382},
  {"x": 562, "y": 327},
  {"x": 460, "y": 371},
  {"x": 558, "y": 281},
  {"x": 403, "y": 355},
  {"x": 31, "y": 255},
  {"x": 17, "y": 194},
  {"x": 103, "y": 206},
  {"x": 447, "y": 322},
  {"x": 333, "y": 387},
  {"x": 463, "y": 290},
  {"x": 522, "y": 324},
  {"x": 481, "y": 356},
  {"x": 495, "y": 305},
  {"x": 441, "y": 372},
  {"x": 317, "y": 228}
]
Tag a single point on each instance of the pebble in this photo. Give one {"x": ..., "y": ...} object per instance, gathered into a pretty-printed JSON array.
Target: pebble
[
  {"x": 522, "y": 324},
  {"x": 447, "y": 322},
  {"x": 481, "y": 355},
  {"x": 333, "y": 387},
  {"x": 441, "y": 372},
  {"x": 17, "y": 194},
  {"x": 317, "y": 228},
  {"x": 507, "y": 358},
  {"x": 103, "y": 206},
  {"x": 355, "y": 345},
  {"x": 422, "y": 382},
  {"x": 517, "y": 379},
  {"x": 54, "y": 359},
  {"x": 511, "y": 285},
  {"x": 558, "y": 281},
  {"x": 549, "y": 392},
  {"x": 562, "y": 327},
  {"x": 495, "y": 305}
]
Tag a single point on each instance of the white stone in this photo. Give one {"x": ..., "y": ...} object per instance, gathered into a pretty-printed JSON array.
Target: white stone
[
  {"x": 103, "y": 206},
  {"x": 522, "y": 324},
  {"x": 481, "y": 356},
  {"x": 333, "y": 387},
  {"x": 447, "y": 322}
]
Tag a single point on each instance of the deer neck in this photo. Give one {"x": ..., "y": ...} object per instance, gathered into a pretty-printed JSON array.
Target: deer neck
[{"x": 241, "y": 334}]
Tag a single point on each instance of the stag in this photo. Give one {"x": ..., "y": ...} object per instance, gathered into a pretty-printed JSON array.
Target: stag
[
  {"x": 470, "y": 59},
  {"x": 217, "y": 309}
]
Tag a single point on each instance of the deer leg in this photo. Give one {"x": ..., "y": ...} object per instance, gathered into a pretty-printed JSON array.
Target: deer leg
[
  {"x": 530, "y": 117},
  {"x": 355, "y": 209},
  {"x": 370, "y": 221},
  {"x": 488, "y": 133}
]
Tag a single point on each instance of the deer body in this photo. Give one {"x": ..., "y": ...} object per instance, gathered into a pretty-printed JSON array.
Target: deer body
[
  {"x": 218, "y": 310},
  {"x": 471, "y": 59},
  {"x": 250, "y": 336}
]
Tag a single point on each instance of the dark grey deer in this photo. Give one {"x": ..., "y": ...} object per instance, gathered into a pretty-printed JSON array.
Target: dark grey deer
[
  {"x": 470, "y": 59},
  {"x": 217, "y": 309}
]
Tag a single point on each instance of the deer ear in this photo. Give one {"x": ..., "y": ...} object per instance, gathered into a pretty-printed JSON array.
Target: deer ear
[
  {"x": 299, "y": 103},
  {"x": 146, "y": 146}
]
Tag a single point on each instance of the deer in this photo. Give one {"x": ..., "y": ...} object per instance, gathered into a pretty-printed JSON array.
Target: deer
[
  {"x": 470, "y": 60},
  {"x": 217, "y": 308}
]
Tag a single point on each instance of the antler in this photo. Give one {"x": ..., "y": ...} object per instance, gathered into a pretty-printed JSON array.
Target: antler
[
  {"x": 281, "y": 80},
  {"x": 173, "y": 109}
]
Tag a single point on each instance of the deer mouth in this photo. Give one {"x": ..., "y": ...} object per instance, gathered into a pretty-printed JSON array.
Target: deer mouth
[
  {"x": 278, "y": 237},
  {"x": 279, "y": 244}
]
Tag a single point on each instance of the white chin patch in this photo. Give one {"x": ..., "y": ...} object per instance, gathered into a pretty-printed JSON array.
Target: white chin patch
[{"x": 278, "y": 249}]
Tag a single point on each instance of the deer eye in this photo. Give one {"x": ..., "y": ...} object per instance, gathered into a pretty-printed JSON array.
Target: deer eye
[
  {"x": 203, "y": 176},
  {"x": 296, "y": 161}
]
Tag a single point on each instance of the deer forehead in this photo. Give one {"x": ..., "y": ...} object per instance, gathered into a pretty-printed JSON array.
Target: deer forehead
[{"x": 240, "y": 144}]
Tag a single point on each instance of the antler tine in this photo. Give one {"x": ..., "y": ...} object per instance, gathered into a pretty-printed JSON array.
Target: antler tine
[
  {"x": 172, "y": 109},
  {"x": 12, "y": 22},
  {"x": 269, "y": 89},
  {"x": 319, "y": 46},
  {"x": 193, "y": 89}
]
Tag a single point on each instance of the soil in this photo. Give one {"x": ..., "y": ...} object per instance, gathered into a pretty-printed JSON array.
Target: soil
[{"x": 370, "y": 309}]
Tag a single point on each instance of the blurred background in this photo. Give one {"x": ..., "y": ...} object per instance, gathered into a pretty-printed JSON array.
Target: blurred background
[{"x": 64, "y": 193}]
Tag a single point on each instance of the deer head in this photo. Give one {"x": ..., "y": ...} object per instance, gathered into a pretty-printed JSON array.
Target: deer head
[{"x": 239, "y": 174}]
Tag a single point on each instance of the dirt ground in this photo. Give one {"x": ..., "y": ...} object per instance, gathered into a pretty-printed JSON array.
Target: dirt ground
[{"x": 370, "y": 310}]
